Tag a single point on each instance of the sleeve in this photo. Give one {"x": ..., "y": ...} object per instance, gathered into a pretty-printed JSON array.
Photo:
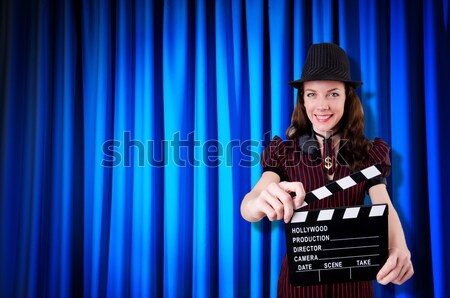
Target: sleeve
[
  {"x": 273, "y": 158},
  {"x": 379, "y": 154}
]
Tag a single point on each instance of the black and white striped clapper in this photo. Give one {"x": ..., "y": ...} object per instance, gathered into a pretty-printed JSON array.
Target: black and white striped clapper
[{"x": 337, "y": 244}]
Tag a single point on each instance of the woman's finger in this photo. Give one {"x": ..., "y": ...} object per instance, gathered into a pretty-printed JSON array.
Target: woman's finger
[
  {"x": 388, "y": 267},
  {"x": 390, "y": 277},
  {"x": 406, "y": 273},
  {"x": 276, "y": 209},
  {"x": 298, "y": 189},
  {"x": 285, "y": 199}
]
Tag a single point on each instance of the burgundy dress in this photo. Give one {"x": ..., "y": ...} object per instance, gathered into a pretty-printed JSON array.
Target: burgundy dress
[{"x": 300, "y": 160}]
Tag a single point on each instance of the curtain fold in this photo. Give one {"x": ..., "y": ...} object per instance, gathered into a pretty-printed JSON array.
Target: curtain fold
[
  {"x": 205, "y": 275},
  {"x": 280, "y": 35},
  {"x": 131, "y": 131},
  {"x": 436, "y": 39}
]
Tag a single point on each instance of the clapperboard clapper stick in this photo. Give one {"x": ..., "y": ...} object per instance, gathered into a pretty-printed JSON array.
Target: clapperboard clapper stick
[{"x": 337, "y": 244}]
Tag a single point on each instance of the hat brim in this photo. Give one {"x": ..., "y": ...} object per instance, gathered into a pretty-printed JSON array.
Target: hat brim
[{"x": 298, "y": 83}]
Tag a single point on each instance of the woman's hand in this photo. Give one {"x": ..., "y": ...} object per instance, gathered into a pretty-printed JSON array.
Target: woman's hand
[
  {"x": 275, "y": 201},
  {"x": 398, "y": 267}
]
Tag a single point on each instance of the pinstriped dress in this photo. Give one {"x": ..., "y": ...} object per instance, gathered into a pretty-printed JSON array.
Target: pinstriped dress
[{"x": 300, "y": 160}]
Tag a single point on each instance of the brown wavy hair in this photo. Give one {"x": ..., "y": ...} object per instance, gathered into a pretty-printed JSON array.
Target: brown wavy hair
[{"x": 351, "y": 127}]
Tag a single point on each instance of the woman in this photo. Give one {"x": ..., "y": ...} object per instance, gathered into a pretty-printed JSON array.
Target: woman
[{"x": 325, "y": 143}]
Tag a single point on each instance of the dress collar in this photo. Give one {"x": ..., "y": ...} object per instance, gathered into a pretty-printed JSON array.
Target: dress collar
[{"x": 308, "y": 144}]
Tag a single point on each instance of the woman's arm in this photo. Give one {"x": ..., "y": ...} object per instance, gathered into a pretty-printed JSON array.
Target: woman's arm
[
  {"x": 270, "y": 197},
  {"x": 398, "y": 267}
]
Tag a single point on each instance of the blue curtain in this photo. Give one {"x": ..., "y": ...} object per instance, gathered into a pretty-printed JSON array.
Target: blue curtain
[{"x": 131, "y": 130}]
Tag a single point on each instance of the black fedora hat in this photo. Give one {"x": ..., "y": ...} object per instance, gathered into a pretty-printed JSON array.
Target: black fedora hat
[{"x": 326, "y": 62}]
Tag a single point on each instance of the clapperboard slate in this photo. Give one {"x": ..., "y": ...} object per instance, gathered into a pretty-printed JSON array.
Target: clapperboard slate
[{"x": 337, "y": 244}]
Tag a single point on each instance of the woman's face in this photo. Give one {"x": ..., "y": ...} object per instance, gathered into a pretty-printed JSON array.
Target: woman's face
[{"x": 324, "y": 104}]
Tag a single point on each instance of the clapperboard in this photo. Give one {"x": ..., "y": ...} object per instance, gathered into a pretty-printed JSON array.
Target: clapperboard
[{"x": 337, "y": 244}]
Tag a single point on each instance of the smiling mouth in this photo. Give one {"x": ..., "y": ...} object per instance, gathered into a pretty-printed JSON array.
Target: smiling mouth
[{"x": 323, "y": 118}]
